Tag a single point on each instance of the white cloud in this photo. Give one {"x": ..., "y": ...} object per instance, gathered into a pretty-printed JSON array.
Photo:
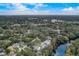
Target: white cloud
[
  {"x": 28, "y": 12},
  {"x": 24, "y": 10},
  {"x": 68, "y": 9},
  {"x": 20, "y": 9},
  {"x": 39, "y": 5}
]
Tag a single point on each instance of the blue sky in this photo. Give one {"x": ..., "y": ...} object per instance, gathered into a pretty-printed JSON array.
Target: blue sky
[{"x": 39, "y": 8}]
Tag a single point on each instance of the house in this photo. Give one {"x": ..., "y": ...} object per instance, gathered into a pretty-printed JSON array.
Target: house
[{"x": 43, "y": 45}]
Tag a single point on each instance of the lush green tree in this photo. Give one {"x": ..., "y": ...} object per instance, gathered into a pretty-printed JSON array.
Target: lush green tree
[
  {"x": 26, "y": 52},
  {"x": 5, "y": 43}
]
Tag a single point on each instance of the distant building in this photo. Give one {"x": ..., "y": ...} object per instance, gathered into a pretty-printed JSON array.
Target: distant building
[
  {"x": 60, "y": 21},
  {"x": 15, "y": 25},
  {"x": 54, "y": 20}
]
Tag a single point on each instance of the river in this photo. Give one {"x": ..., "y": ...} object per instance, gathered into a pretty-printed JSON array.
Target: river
[{"x": 60, "y": 51}]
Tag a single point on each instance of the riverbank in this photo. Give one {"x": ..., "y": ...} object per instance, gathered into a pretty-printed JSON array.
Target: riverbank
[{"x": 62, "y": 48}]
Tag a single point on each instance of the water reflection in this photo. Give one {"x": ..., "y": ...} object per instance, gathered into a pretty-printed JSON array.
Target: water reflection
[{"x": 60, "y": 51}]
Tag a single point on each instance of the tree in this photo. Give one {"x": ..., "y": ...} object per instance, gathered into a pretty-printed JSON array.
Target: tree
[
  {"x": 5, "y": 43},
  {"x": 26, "y": 52}
]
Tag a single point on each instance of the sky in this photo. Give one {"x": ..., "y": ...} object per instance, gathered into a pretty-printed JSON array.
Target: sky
[{"x": 39, "y": 8}]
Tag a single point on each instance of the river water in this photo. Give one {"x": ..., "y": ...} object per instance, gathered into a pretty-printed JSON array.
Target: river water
[{"x": 60, "y": 51}]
